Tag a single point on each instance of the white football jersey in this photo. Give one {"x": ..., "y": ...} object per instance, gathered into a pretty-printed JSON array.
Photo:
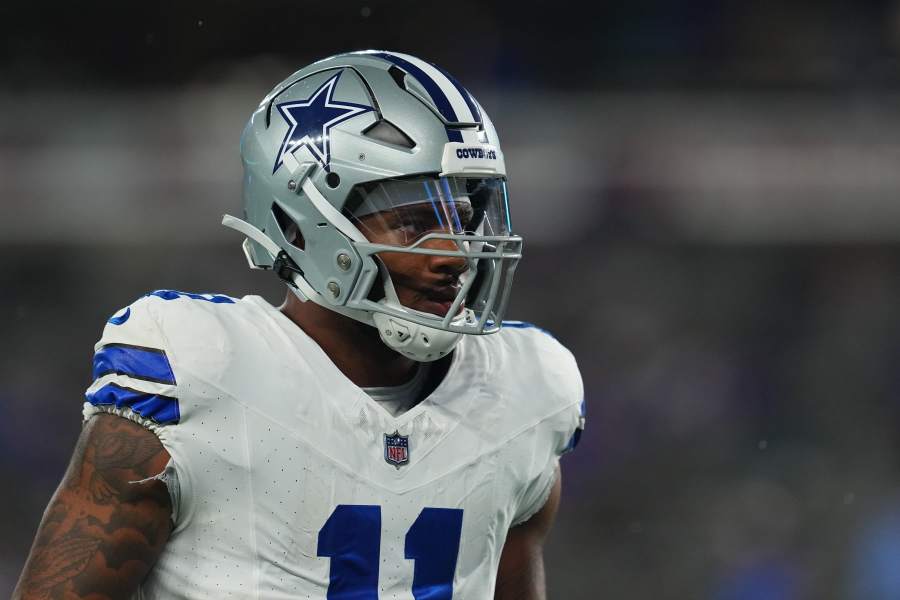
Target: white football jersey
[{"x": 288, "y": 481}]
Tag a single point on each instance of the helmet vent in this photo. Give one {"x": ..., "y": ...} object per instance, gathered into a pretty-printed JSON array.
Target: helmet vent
[
  {"x": 289, "y": 227},
  {"x": 398, "y": 75},
  {"x": 387, "y": 132}
]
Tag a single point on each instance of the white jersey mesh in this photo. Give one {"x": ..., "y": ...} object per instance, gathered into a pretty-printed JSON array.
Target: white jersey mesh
[{"x": 272, "y": 439}]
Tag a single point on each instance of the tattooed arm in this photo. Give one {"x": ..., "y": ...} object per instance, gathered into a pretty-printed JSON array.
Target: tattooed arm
[
  {"x": 521, "y": 572},
  {"x": 108, "y": 520}
]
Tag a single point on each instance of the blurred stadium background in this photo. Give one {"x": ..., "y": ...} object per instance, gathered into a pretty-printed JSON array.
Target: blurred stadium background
[{"x": 710, "y": 196}]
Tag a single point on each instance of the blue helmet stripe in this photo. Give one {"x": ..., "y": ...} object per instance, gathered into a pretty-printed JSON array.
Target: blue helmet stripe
[
  {"x": 470, "y": 102},
  {"x": 159, "y": 408},
  {"x": 430, "y": 85},
  {"x": 434, "y": 90},
  {"x": 148, "y": 364}
]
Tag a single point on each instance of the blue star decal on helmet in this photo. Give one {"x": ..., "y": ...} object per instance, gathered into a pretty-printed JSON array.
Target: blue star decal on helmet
[{"x": 310, "y": 122}]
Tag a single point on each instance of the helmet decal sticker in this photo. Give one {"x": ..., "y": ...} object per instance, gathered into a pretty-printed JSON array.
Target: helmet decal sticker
[{"x": 310, "y": 122}]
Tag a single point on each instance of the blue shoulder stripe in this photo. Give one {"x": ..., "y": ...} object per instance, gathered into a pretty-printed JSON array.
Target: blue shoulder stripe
[
  {"x": 175, "y": 294},
  {"x": 149, "y": 364},
  {"x": 121, "y": 319},
  {"x": 573, "y": 441},
  {"x": 162, "y": 409},
  {"x": 576, "y": 436}
]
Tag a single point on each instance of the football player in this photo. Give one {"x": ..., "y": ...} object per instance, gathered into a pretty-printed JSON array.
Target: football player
[{"x": 382, "y": 434}]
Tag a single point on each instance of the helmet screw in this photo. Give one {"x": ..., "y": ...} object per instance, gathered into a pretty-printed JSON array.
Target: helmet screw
[
  {"x": 292, "y": 185},
  {"x": 362, "y": 156},
  {"x": 334, "y": 288},
  {"x": 343, "y": 261}
]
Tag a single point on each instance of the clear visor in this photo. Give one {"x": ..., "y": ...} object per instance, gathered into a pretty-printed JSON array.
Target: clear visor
[
  {"x": 401, "y": 211},
  {"x": 446, "y": 255}
]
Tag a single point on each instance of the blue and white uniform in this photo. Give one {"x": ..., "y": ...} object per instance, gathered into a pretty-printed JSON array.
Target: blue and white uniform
[{"x": 279, "y": 477}]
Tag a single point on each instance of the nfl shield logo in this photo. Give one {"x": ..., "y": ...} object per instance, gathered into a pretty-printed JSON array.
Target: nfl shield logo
[{"x": 396, "y": 449}]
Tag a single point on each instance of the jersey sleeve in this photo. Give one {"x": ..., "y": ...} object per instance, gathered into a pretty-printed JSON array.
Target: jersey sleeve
[
  {"x": 132, "y": 372},
  {"x": 556, "y": 434}
]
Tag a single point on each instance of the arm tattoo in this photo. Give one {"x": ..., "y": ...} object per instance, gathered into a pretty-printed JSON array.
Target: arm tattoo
[
  {"x": 119, "y": 450},
  {"x": 71, "y": 556},
  {"x": 107, "y": 522}
]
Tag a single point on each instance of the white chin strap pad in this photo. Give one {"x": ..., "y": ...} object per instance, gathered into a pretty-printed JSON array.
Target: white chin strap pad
[{"x": 418, "y": 342}]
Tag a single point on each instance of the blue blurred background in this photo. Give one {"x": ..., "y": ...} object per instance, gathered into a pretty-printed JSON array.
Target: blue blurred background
[{"x": 710, "y": 197}]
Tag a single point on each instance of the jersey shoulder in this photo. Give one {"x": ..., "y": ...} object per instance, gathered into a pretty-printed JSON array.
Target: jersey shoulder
[
  {"x": 540, "y": 380},
  {"x": 151, "y": 316},
  {"x": 150, "y": 346},
  {"x": 541, "y": 396},
  {"x": 532, "y": 359}
]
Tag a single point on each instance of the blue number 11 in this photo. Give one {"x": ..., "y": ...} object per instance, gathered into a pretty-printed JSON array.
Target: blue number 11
[{"x": 351, "y": 537}]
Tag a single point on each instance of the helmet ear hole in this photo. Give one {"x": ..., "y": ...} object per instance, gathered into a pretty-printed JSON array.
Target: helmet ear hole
[{"x": 289, "y": 227}]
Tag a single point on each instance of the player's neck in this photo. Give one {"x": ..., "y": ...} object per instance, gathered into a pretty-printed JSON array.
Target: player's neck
[{"x": 354, "y": 347}]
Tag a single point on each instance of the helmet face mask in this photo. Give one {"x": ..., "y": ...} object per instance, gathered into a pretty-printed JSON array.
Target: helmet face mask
[
  {"x": 365, "y": 162},
  {"x": 443, "y": 237}
]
